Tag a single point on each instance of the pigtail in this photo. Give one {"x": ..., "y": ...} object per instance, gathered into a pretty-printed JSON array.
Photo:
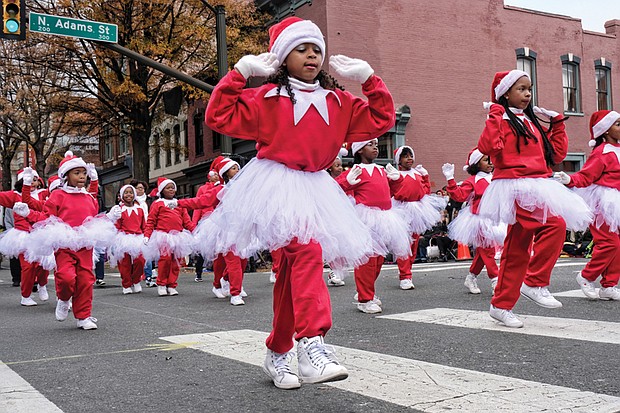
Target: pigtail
[
  {"x": 473, "y": 169},
  {"x": 327, "y": 81},
  {"x": 280, "y": 78},
  {"x": 598, "y": 141},
  {"x": 357, "y": 158}
]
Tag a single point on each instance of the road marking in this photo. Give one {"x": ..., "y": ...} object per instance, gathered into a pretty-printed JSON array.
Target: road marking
[
  {"x": 572, "y": 293},
  {"x": 427, "y": 387},
  {"x": 568, "y": 328},
  {"x": 18, "y": 396}
]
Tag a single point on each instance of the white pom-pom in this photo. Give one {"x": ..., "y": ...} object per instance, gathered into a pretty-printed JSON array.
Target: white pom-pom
[
  {"x": 465, "y": 168},
  {"x": 591, "y": 143},
  {"x": 68, "y": 154},
  {"x": 343, "y": 152},
  {"x": 212, "y": 173}
]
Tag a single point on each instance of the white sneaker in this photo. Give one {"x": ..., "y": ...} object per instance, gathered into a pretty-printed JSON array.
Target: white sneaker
[
  {"x": 493, "y": 284},
  {"x": 318, "y": 362},
  {"x": 218, "y": 292},
  {"x": 587, "y": 287},
  {"x": 225, "y": 287},
  {"x": 334, "y": 280},
  {"x": 243, "y": 294},
  {"x": 127, "y": 290},
  {"x": 28, "y": 302},
  {"x": 172, "y": 291},
  {"x": 237, "y": 300},
  {"x": 161, "y": 290},
  {"x": 375, "y": 299},
  {"x": 369, "y": 307},
  {"x": 272, "y": 277},
  {"x": 137, "y": 288},
  {"x": 609, "y": 293},
  {"x": 505, "y": 316},
  {"x": 277, "y": 366},
  {"x": 62, "y": 310},
  {"x": 406, "y": 284},
  {"x": 471, "y": 282},
  {"x": 87, "y": 323},
  {"x": 43, "y": 295},
  {"x": 540, "y": 295}
]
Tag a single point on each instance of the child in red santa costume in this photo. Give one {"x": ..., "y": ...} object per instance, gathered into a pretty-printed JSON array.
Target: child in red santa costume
[
  {"x": 523, "y": 194},
  {"x": 368, "y": 183},
  {"x": 411, "y": 197},
  {"x": 71, "y": 229},
  {"x": 212, "y": 180},
  {"x": 283, "y": 198},
  {"x": 469, "y": 228},
  {"x": 598, "y": 183},
  {"x": 126, "y": 252},
  {"x": 167, "y": 237}
]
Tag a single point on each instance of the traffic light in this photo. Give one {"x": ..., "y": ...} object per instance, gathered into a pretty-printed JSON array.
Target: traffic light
[{"x": 13, "y": 20}]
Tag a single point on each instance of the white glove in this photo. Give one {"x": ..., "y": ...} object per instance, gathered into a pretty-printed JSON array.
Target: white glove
[
  {"x": 91, "y": 171},
  {"x": 421, "y": 169},
  {"x": 263, "y": 65},
  {"x": 544, "y": 112},
  {"x": 145, "y": 240},
  {"x": 562, "y": 177},
  {"x": 349, "y": 68},
  {"x": 392, "y": 173},
  {"x": 173, "y": 203},
  {"x": 353, "y": 175},
  {"x": 448, "y": 170},
  {"x": 487, "y": 106},
  {"x": 21, "y": 209},
  {"x": 115, "y": 213},
  {"x": 29, "y": 175}
]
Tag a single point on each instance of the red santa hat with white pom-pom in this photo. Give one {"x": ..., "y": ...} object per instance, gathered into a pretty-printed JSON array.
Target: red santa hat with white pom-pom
[
  {"x": 399, "y": 151},
  {"x": 473, "y": 158},
  {"x": 290, "y": 33},
  {"x": 600, "y": 122},
  {"x": 222, "y": 165},
  {"x": 53, "y": 182},
  {"x": 69, "y": 162},
  {"x": 503, "y": 81},
  {"x": 163, "y": 182}
]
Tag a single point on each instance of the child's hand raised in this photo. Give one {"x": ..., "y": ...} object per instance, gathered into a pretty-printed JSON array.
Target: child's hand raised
[
  {"x": 353, "y": 176},
  {"x": 392, "y": 173},
  {"x": 349, "y": 68},
  {"x": 263, "y": 65},
  {"x": 21, "y": 209},
  {"x": 544, "y": 112},
  {"x": 448, "y": 170},
  {"x": 422, "y": 170}
]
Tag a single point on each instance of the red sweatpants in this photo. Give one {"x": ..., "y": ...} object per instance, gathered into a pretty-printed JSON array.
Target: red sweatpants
[
  {"x": 234, "y": 269},
  {"x": 219, "y": 270},
  {"x": 516, "y": 263},
  {"x": 74, "y": 277},
  {"x": 404, "y": 265},
  {"x": 605, "y": 259},
  {"x": 131, "y": 270},
  {"x": 276, "y": 257},
  {"x": 168, "y": 271},
  {"x": 482, "y": 257},
  {"x": 365, "y": 277},
  {"x": 301, "y": 303},
  {"x": 31, "y": 272}
]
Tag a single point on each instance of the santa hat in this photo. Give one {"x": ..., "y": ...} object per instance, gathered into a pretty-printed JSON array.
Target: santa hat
[
  {"x": 124, "y": 187},
  {"x": 70, "y": 162},
  {"x": 20, "y": 174},
  {"x": 223, "y": 165},
  {"x": 357, "y": 146},
  {"x": 342, "y": 152},
  {"x": 53, "y": 182},
  {"x": 473, "y": 158},
  {"x": 503, "y": 81},
  {"x": 153, "y": 193},
  {"x": 399, "y": 151},
  {"x": 290, "y": 33},
  {"x": 600, "y": 122},
  {"x": 162, "y": 182}
]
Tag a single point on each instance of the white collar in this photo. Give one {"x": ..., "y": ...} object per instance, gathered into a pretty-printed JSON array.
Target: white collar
[
  {"x": 134, "y": 208},
  {"x": 612, "y": 148},
  {"x": 141, "y": 198},
  {"x": 166, "y": 201},
  {"x": 306, "y": 95},
  {"x": 483, "y": 175},
  {"x": 518, "y": 112},
  {"x": 411, "y": 172},
  {"x": 371, "y": 167},
  {"x": 73, "y": 190}
]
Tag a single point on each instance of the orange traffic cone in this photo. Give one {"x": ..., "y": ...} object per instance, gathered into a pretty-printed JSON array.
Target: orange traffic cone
[{"x": 463, "y": 252}]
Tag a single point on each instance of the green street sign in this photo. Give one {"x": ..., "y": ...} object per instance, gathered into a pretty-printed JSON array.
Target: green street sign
[{"x": 66, "y": 26}]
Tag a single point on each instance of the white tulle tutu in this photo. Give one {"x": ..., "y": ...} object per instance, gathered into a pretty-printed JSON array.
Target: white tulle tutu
[
  {"x": 544, "y": 197},
  {"x": 14, "y": 242},
  {"x": 472, "y": 229},
  {"x": 388, "y": 230},
  {"x": 421, "y": 215},
  {"x": 132, "y": 244},
  {"x": 267, "y": 204},
  {"x": 604, "y": 202},
  {"x": 177, "y": 243}
]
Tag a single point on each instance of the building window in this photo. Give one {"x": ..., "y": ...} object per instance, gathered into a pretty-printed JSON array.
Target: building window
[
  {"x": 123, "y": 140},
  {"x": 217, "y": 141},
  {"x": 572, "y": 163},
  {"x": 108, "y": 145},
  {"x": 157, "y": 151},
  {"x": 176, "y": 132},
  {"x": 185, "y": 140},
  {"x": 168, "y": 147},
  {"x": 526, "y": 61},
  {"x": 386, "y": 146},
  {"x": 570, "y": 83},
  {"x": 198, "y": 134},
  {"x": 602, "y": 70}
]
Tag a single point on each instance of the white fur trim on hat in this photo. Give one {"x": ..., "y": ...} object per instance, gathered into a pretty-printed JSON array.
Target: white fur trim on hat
[
  {"x": 124, "y": 187},
  {"x": 506, "y": 83},
  {"x": 70, "y": 164},
  {"x": 342, "y": 152},
  {"x": 229, "y": 164},
  {"x": 399, "y": 152},
  {"x": 604, "y": 124},
  {"x": 356, "y": 146},
  {"x": 474, "y": 157},
  {"x": 55, "y": 184},
  {"x": 300, "y": 32},
  {"x": 163, "y": 184}
]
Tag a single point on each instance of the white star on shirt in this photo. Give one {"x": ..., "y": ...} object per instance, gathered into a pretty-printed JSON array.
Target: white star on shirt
[
  {"x": 304, "y": 100},
  {"x": 611, "y": 148}
]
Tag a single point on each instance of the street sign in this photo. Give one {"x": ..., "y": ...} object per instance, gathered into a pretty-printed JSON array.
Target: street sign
[{"x": 66, "y": 26}]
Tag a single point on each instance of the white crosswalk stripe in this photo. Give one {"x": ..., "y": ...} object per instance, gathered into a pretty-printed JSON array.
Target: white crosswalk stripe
[
  {"x": 416, "y": 384},
  {"x": 18, "y": 396}
]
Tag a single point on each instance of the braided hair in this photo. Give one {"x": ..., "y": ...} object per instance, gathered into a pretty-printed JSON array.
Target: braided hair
[{"x": 280, "y": 78}]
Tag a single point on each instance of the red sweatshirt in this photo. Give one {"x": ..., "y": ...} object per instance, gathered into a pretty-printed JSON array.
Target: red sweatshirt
[
  {"x": 162, "y": 218},
  {"x": 72, "y": 207},
  {"x": 201, "y": 212},
  {"x": 206, "y": 201},
  {"x": 132, "y": 219},
  {"x": 7, "y": 200},
  {"x": 601, "y": 168},
  {"x": 476, "y": 184},
  {"x": 411, "y": 188},
  {"x": 373, "y": 190}
]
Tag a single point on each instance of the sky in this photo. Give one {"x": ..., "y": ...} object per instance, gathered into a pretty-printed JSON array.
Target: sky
[{"x": 593, "y": 13}]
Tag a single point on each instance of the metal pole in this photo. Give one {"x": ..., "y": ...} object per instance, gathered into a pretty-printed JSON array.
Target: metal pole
[{"x": 222, "y": 60}]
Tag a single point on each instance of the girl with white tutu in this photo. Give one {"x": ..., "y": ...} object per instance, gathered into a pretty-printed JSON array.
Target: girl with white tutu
[
  {"x": 469, "y": 227},
  {"x": 412, "y": 198},
  {"x": 368, "y": 184},
  {"x": 126, "y": 251},
  {"x": 523, "y": 194},
  {"x": 598, "y": 183},
  {"x": 167, "y": 237},
  {"x": 71, "y": 229},
  {"x": 284, "y": 198}
]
